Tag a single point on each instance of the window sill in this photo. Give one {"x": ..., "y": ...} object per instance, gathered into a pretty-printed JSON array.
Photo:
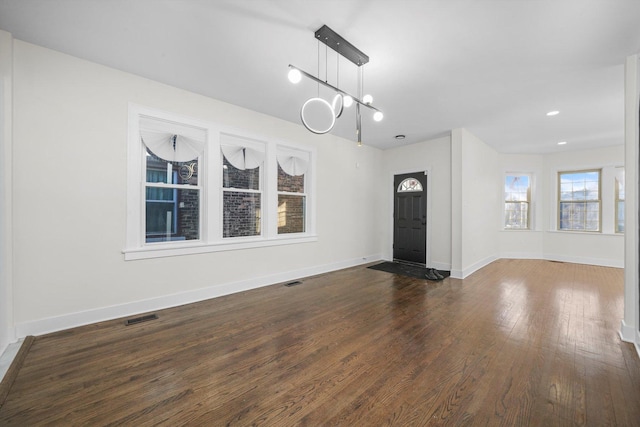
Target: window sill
[{"x": 168, "y": 250}]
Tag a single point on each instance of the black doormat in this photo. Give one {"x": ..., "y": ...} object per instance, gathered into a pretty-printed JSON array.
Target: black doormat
[{"x": 405, "y": 269}]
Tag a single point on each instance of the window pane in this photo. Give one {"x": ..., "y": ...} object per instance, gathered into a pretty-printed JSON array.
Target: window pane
[
  {"x": 592, "y": 219},
  {"x": 290, "y": 183},
  {"x": 517, "y": 188},
  {"x": 566, "y": 191},
  {"x": 157, "y": 194},
  {"x": 159, "y": 170},
  {"x": 620, "y": 218},
  {"x": 580, "y": 216},
  {"x": 516, "y": 215},
  {"x": 248, "y": 179},
  {"x": 409, "y": 184},
  {"x": 291, "y": 214},
  {"x": 241, "y": 215},
  {"x": 620, "y": 185},
  {"x": 172, "y": 214},
  {"x": 580, "y": 185}
]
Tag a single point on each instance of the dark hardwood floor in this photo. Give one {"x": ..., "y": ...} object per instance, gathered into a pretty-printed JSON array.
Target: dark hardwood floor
[{"x": 520, "y": 342}]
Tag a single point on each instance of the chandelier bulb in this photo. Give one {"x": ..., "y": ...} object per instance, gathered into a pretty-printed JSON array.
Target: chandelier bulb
[
  {"x": 367, "y": 99},
  {"x": 347, "y": 101},
  {"x": 294, "y": 76},
  {"x": 377, "y": 116}
]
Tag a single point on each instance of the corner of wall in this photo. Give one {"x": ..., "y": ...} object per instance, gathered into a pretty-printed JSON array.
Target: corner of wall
[
  {"x": 456, "y": 203},
  {"x": 630, "y": 329},
  {"x": 7, "y": 332}
]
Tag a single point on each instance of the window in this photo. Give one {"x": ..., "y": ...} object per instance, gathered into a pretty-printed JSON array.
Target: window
[
  {"x": 242, "y": 165},
  {"x": 197, "y": 187},
  {"x": 172, "y": 188},
  {"x": 172, "y": 202},
  {"x": 517, "y": 201},
  {"x": 409, "y": 184},
  {"x": 619, "y": 189},
  {"x": 579, "y": 200},
  {"x": 292, "y": 168}
]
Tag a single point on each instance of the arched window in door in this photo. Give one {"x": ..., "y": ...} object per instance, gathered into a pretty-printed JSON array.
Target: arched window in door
[{"x": 409, "y": 184}]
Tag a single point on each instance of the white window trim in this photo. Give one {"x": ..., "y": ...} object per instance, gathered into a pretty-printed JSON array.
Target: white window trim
[
  {"x": 211, "y": 194},
  {"x": 532, "y": 196},
  {"x": 600, "y": 199},
  {"x": 607, "y": 198}
]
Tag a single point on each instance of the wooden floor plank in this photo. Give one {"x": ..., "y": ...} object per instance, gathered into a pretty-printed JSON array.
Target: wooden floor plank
[{"x": 520, "y": 342}]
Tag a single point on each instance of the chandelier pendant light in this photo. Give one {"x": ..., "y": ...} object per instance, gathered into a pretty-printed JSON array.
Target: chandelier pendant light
[{"x": 330, "y": 111}]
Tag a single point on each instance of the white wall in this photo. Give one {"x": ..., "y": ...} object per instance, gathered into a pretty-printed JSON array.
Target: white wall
[
  {"x": 433, "y": 156},
  {"x": 605, "y": 248},
  {"x": 481, "y": 198},
  {"x": 6, "y": 295},
  {"x": 475, "y": 203},
  {"x": 526, "y": 244},
  {"x": 70, "y": 140},
  {"x": 630, "y": 324}
]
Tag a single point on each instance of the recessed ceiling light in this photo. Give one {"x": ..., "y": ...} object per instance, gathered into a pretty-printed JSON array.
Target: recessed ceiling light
[
  {"x": 553, "y": 113},
  {"x": 399, "y": 137},
  {"x": 562, "y": 143}
]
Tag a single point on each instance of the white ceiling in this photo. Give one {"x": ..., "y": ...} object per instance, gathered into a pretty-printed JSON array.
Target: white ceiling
[{"x": 493, "y": 67}]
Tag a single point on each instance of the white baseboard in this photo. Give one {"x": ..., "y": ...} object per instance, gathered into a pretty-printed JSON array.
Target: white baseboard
[
  {"x": 582, "y": 260},
  {"x": 461, "y": 274},
  {"x": 564, "y": 258},
  {"x": 72, "y": 320},
  {"x": 7, "y": 355},
  {"x": 521, "y": 255},
  {"x": 627, "y": 333},
  {"x": 630, "y": 335},
  {"x": 444, "y": 266},
  {"x": 4, "y": 347},
  {"x": 456, "y": 274}
]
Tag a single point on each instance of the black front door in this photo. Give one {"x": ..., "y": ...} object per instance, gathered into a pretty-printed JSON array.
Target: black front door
[{"x": 410, "y": 218}]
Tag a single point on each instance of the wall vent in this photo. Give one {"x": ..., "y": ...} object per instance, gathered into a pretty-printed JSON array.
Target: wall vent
[
  {"x": 140, "y": 319},
  {"x": 297, "y": 282}
]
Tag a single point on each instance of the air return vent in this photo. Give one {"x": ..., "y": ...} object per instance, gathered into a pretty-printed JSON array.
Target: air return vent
[
  {"x": 140, "y": 319},
  {"x": 297, "y": 282}
]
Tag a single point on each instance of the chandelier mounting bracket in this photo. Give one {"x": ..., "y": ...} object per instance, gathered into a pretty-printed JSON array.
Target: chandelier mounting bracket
[{"x": 336, "y": 42}]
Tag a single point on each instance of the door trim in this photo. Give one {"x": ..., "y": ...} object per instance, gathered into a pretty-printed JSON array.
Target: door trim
[{"x": 391, "y": 195}]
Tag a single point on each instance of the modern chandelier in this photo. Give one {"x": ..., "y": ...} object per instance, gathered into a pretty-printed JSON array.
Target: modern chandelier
[{"x": 319, "y": 115}]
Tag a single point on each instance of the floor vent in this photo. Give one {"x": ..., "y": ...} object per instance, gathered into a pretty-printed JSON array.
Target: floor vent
[
  {"x": 140, "y": 319},
  {"x": 297, "y": 282}
]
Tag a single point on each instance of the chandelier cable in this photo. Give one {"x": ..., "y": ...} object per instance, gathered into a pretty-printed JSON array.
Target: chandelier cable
[
  {"x": 326, "y": 69},
  {"x": 338, "y": 66}
]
